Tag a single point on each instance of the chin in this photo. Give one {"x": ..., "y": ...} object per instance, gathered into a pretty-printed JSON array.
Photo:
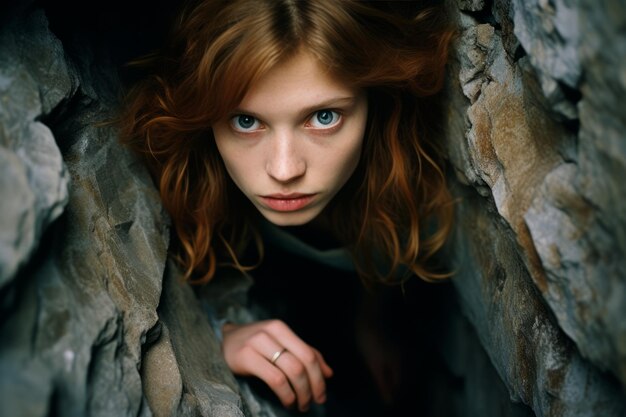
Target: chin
[{"x": 294, "y": 218}]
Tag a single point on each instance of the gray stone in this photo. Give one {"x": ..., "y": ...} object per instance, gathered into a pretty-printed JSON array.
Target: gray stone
[
  {"x": 188, "y": 355},
  {"x": 506, "y": 120},
  {"x": 31, "y": 84},
  {"x": 534, "y": 358},
  {"x": 471, "y": 5},
  {"x": 83, "y": 316},
  {"x": 17, "y": 223},
  {"x": 532, "y": 234},
  {"x": 578, "y": 220},
  {"x": 549, "y": 32},
  {"x": 74, "y": 327},
  {"x": 483, "y": 393}
]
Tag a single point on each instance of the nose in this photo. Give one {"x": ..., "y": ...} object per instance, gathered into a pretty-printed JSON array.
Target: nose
[{"x": 285, "y": 162}]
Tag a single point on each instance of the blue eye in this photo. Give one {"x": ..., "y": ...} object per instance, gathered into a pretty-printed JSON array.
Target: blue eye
[
  {"x": 324, "y": 119},
  {"x": 244, "y": 123}
]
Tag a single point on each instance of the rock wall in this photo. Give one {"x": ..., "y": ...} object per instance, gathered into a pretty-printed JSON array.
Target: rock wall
[
  {"x": 536, "y": 141},
  {"x": 79, "y": 291},
  {"x": 93, "y": 323}
]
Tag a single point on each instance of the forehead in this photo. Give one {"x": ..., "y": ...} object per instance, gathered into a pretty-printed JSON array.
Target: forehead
[{"x": 297, "y": 82}]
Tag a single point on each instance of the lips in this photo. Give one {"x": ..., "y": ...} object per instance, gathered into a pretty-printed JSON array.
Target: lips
[{"x": 287, "y": 202}]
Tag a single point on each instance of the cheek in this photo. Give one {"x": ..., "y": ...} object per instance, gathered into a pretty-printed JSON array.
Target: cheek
[
  {"x": 345, "y": 162},
  {"x": 358, "y": 135},
  {"x": 354, "y": 158},
  {"x": 353, "y": 155}
]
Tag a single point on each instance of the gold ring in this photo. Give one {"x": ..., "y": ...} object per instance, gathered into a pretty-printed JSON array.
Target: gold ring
[{"x": 277, "y": 355}]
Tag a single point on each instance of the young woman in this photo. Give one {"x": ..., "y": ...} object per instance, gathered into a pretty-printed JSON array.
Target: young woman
[{"x": 293, "y": 133}]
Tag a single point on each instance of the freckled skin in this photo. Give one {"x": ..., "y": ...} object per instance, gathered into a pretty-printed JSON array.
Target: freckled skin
[{"x": 282, "y": 140}]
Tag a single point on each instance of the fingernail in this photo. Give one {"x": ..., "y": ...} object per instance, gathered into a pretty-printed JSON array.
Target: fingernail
[{"x": 321, "y": 399}]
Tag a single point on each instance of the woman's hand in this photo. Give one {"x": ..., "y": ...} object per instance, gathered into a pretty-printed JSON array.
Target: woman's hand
[{"x": 295, "y": 375}]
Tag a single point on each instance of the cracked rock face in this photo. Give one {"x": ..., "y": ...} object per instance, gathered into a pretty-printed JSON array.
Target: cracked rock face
[
  {"x": 536, "y": 143},
  {"x": 34, "y": 181},
  {"x": 81, "y": 293},
  {"x": 84, "y": 327}
]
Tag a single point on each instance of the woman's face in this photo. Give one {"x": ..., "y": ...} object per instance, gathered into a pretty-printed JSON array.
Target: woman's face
[{"x": 294, "y": 140}]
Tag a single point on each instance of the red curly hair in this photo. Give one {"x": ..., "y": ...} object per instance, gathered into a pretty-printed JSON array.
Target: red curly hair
[{"x": 220, "y": 48}]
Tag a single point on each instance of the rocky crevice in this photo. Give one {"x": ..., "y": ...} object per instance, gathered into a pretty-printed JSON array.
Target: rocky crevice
[{"x": 94, "y": 323}]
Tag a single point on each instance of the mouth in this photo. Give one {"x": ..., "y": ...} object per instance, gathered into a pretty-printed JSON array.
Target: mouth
[{"x": 287, "y": 202}]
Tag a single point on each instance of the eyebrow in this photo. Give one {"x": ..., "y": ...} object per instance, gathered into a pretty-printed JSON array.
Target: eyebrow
[{"x": 325, "y": 104}]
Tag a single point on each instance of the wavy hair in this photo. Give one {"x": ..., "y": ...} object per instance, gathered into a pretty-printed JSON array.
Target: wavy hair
[{"x": 395, "y": 211}]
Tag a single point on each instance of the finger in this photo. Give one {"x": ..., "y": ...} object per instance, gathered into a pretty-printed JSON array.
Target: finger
[
  {"x": 327, "y": 371},
  {"x": 259, "y": 343},
  {"x": 297, "y": 374},
  {"x": 305, "y": 354},
  {"x": 276, "y": 379},
  {"x": 264, "y": 343}
]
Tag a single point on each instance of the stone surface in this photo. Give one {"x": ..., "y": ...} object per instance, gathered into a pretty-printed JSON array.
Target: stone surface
[
  {"x": 550, "y": 33},
  {"x": 479, "y": 390},
  {"x": 30, "y": 85},
  {"x": 540, "y": 366},
  {"x": 471, "y": 5},
  {"x": 74, "y": 319},
  {"x": 188, "y": 355},
  {"x": 17, "y": 222},
  {"x": 602, "y": 169},
  {"x": 578, "y": 218},
  {"x": 541, "y": 213}
]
